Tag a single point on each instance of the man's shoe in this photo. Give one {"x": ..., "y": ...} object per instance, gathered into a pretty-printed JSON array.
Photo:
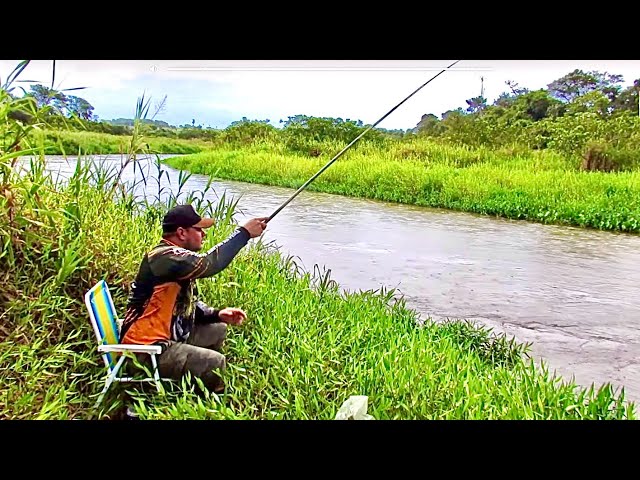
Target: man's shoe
[
  {"x": 131, "y": 415},
  {"x": 219, "y": 389}
]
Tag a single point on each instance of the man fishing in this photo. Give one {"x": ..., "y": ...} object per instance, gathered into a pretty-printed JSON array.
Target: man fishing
[{"x": 163, "y": 308}]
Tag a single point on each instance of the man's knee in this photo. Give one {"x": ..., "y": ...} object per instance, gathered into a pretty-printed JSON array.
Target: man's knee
[
  {"x": 207, "y": 367},
  {"x": 220, "y": 329},
  {"x": 200, "y": 362},
  {"x": 211, "y": 335}
]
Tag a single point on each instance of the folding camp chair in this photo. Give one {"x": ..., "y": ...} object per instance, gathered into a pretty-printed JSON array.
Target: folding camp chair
[{"x": 106, "y": 326}]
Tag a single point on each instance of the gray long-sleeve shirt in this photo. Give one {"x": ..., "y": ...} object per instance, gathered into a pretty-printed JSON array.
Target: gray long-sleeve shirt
[{"x": 163, "y": 302}]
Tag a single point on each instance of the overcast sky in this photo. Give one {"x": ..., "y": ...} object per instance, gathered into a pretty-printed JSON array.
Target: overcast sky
[{"x": 215, "y": 93}]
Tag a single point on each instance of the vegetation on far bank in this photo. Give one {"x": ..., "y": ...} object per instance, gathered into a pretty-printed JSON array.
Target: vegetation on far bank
[
  {"x": 535, "y": 186},
  {"x": 72, "y": 143}
]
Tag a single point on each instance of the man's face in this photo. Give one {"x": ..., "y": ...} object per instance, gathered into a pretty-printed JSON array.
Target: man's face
[{"x": 191, "y": 238}]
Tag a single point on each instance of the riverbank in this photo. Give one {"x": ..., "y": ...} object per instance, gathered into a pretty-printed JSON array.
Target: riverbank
[
  {"x": 63, "y": 142},
  {"x": 536, "y": 186},
  {"x": 520, "y": 184},
  {"x": 305, "y": 349}
]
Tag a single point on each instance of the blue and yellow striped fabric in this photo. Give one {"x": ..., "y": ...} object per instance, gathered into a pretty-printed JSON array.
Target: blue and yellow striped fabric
[{"x": 104, "y": 313}]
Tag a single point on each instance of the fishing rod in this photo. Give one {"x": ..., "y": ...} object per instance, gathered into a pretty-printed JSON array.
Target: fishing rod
[{"x": 353, "y": 142}]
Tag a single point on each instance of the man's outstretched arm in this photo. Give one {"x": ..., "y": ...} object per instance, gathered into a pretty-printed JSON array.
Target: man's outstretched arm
[{"x": 183, "y": 264}]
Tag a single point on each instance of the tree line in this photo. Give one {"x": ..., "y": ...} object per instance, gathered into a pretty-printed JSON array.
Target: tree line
[{"x": 574, "y": 113}]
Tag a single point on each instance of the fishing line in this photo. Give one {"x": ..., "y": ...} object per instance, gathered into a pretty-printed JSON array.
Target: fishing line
[{"x": 353, "y": 142}]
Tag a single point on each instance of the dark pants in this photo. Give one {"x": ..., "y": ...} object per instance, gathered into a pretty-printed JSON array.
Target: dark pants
[{"x": 200, "y": 355}]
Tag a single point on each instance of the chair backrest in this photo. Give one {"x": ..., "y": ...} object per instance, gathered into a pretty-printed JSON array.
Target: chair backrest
[{"x": 104, "y": 319}]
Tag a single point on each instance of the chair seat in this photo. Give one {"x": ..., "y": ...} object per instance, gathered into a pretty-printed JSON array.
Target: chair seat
[{"x": 127, "y": 347}]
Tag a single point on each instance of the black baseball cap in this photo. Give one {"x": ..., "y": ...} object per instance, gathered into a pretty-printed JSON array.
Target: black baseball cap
[{"x": 184, "y": 216}]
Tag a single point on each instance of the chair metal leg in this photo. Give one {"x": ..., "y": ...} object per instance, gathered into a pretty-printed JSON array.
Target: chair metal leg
[
  {"x": 156, "y": 374},
  {"x": 104, "y": 390},
  {"x": 109, "y": 380}
]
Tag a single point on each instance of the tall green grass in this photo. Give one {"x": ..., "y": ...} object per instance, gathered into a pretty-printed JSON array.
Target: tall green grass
[{"x": 514, "y": 183}]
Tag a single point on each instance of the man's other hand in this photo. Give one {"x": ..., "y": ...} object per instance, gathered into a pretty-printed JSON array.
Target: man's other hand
[{"x": 232, "y": 315}]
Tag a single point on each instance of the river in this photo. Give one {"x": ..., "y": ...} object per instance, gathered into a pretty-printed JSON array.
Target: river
[{"x": 573, "y": 293}]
